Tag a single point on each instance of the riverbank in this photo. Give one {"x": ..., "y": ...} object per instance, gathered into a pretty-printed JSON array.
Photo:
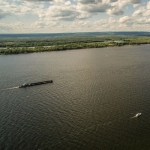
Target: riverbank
[{"x": 61, "y": 44}]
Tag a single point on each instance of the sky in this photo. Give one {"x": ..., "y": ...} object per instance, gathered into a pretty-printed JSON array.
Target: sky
[{"x": 61, "y": 16}]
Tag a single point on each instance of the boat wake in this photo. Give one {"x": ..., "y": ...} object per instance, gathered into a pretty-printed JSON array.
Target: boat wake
[
  {"x": 9, "y": 88},
  {"x": 133, "y": 117},
  {"x": 112, "y": 122}
]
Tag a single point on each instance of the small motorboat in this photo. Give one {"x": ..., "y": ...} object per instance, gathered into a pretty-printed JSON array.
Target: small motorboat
[{"x": 138, "y": 114}]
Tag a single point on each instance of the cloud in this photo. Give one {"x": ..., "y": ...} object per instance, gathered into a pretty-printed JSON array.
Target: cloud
[
  {"x": 135, "y": 1},
  {"x": 64, "y": 9},
  {"x": 148, "y": 5},
  {"x": 138, "y": 12},
  {"x": 143, "y": 11},
  {"x": 103, "y": 22},
  {"x": 114, "y": 0},
  {"x": 65, "y": 15},
  {"x": 115, "y": 12},
  {"x": 92, "y": 8},
  {"x": 4, "y": 26},
  {"x": 89, "y": 1},
  {"x": 67, "y": 12},
  {"x": 112, "y": 7},
  {"x": 83, "y": 15},
  {"x": 125, "y": 19},
  {"x": 3, "y": 14}
]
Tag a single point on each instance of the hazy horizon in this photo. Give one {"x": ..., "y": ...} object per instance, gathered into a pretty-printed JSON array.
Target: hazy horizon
[{"x": 79, "y": 32}]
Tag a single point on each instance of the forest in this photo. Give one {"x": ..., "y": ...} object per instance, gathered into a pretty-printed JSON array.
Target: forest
[{"x": 44, "y": 44}]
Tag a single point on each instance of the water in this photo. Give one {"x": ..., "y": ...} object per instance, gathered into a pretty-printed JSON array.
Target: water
[{"x": 91, "y": 104}]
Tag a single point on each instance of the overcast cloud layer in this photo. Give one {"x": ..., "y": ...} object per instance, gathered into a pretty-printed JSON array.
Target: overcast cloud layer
[{"x": 47, "y": 16}]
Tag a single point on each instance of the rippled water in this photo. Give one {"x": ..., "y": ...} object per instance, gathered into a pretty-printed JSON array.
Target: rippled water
[{"x": 90, "y": 105}]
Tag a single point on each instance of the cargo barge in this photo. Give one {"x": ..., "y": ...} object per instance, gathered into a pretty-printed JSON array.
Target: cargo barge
[{"x": 34, "y": 84}]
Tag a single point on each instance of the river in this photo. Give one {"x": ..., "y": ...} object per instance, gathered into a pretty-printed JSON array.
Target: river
[{"x": 90, "y": 105}]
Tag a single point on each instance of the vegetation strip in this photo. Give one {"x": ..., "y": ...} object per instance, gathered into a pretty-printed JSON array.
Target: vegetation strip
[{"x": 31, "y": 45}]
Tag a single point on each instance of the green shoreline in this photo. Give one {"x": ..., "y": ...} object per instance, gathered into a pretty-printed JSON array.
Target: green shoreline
[{"x": 60, "y": 44}]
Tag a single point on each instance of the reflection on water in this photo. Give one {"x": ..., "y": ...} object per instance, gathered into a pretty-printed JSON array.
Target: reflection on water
[{"x": 95, "y": 94}]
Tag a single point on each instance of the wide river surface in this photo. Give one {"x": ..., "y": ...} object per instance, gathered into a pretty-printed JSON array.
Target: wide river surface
[{"x": 90, "y": 106}]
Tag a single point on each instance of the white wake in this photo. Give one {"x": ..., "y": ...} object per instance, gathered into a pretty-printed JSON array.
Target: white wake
[{"x": 10, "y": 88}]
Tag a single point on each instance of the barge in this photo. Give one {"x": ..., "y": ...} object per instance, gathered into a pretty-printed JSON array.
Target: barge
[{"x": 34, "y": 84}]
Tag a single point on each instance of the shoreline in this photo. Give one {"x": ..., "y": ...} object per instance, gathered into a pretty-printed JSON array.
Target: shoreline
[
  {"x": 14, "y": 52},
  {"x": 19, "y": 46}
]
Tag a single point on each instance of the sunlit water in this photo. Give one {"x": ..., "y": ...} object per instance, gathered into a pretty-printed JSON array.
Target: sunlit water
[{"x": 90, "y": 106}]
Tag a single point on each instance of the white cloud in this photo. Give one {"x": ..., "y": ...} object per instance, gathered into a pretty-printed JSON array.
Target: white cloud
[
  {"x": 148, "y": 5},
  {"x": 143, "y": 11},
  {"x": 63, "y": 15},
  {"x": 67, "y": 12},
  {"x": 138, "y": 12},
  {"x": 115, "y": 11},
  {"x": 125, "y": 19}
]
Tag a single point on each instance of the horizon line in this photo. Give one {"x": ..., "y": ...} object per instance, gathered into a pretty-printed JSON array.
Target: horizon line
[{"x": 75, "y": 32}]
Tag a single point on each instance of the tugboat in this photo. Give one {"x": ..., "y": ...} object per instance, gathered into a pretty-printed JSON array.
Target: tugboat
[{"x": 36, "y": 83}]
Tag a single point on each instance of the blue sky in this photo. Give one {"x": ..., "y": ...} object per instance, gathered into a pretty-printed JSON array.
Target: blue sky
[{"x": 53, "y": 16}]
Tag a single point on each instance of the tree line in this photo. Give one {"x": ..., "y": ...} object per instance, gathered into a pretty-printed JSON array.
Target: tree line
[{"x": 18, "y": 46}]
